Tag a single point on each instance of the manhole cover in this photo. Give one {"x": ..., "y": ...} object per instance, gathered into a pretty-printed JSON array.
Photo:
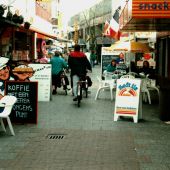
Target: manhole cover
[{"x": 55, "y": 136}]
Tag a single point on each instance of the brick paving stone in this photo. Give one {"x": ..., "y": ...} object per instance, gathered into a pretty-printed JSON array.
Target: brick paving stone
[{"x": 92, "y": 141}]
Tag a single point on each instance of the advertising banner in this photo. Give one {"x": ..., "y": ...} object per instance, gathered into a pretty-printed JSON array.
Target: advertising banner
[{"x": 127, "y": 98}]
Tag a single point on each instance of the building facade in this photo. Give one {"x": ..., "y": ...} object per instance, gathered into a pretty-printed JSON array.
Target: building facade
[
  {"x": 25, "y": 40},
  {"x": 91, "y": 24}
]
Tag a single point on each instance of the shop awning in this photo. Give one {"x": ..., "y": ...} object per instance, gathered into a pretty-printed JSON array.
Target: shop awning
[
  {"x": 145, "y": 15},
  {"x": 42, "y": 34},
  {"x": 45, "y": 35},
  {"x": 136, "y": 47},
  {"x": 63, "y": 40}
]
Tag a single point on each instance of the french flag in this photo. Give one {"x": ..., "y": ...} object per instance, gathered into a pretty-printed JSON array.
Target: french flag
[
  {"x": 114, "y": 29},
  {"x": 111, "y": 29}
]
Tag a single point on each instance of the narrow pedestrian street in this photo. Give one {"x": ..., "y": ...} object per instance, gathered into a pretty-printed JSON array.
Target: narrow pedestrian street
[{"x": 87, "y": 137}]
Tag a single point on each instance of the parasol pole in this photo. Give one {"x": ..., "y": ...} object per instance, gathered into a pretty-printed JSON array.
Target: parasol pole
[{"x": 129, "y": 53}]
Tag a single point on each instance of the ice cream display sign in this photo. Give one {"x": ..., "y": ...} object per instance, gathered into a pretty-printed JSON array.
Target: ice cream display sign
[
  {"x": 128, "y": 89},
  {"x": 127, "y": 98}
]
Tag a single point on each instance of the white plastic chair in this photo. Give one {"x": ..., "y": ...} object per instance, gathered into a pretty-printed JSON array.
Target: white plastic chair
[
  {"x": 106, "y": 84},
  {"x": 127, "y": 76},
  {"x": 107, "y": 75},
  {"x": 146, "y": 88},
  {"x": 7, "y": 102},
  {"x": 110, "y": 75},
  {"x": 145, "y": 91},
  {"x": 132, "y": 73}
]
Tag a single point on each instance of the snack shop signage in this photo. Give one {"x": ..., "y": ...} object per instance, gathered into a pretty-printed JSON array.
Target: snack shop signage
[
  {"x": 151, "y": 9},
  {"x": 154, "y": 6},
  {"x": 127, "y": 98}
]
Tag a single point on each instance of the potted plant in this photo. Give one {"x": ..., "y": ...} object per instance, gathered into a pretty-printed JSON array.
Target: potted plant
[
  {"x": 15, "y": 18},
  {"x": 20, "y": 19},
  {"x": 27, "y": 25},
  {"x": 2, "y": 10},
  {"x": 9, "y": 15}
]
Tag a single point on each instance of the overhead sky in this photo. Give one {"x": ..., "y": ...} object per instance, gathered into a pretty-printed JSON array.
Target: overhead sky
[{"x": 72, "y": 7}]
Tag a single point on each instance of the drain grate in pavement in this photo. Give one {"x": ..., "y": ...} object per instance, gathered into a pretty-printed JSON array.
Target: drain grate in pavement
[{"x": 55, "y": 136}]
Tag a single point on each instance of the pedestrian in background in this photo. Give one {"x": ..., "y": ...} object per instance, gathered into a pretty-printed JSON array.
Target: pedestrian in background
[{"x": 92, "y": 58}]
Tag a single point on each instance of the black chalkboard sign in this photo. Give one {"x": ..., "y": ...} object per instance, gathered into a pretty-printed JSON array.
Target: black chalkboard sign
[
  {"x": 25, "y": 110},
  {"x": 106, "y": 60}
]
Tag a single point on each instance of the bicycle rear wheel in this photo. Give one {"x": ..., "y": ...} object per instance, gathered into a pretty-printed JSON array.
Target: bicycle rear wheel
[
  {"x": 86, "y": 87},
  {"x": 79, "y": 93},
  {"x": 86, "y": 90},
  {"x": 78, "y": 102}
]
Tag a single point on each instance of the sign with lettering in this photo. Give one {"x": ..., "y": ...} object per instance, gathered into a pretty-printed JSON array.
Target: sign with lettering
[
  {"x": 42, "y": 74},
  {"x": 150, "y": 9},
  {"x": 127, "y": 98},
  {"x": 107, "y": 56},
  {"x": 25, "y": 110}
]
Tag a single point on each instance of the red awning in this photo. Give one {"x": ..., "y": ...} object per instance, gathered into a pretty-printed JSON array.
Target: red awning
[{"x": 41, "y": 34}]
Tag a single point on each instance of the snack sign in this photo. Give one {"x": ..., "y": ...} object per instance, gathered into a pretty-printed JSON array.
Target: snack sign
[{"x": 127, "y": 98}]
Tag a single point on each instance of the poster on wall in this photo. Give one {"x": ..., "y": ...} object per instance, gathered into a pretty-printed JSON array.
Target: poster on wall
[
  {"x": 107, "y": 56},
  {"x": 127, "y": 98},
  {"x": 150, "y": 57},
  {"x": 42, "y": 74}
]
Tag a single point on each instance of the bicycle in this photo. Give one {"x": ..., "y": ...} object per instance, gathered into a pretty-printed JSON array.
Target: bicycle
[
  {"x": 82, "y": 84},
  {"x": 63, "y": 81}
]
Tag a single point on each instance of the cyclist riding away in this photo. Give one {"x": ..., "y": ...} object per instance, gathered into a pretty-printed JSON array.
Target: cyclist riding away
[{"x": 79, "y": 64}]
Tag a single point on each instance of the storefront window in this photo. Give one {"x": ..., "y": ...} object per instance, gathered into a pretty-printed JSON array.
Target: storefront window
[{"x": 22, "y": 46}]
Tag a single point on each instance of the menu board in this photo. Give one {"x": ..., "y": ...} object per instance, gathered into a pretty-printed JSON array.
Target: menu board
[
  {"x": 42, "y": 74},
  {"x": 25, "y": 110},
  {"x": 107, "y": 56},
  {"x": 106, "y": 60}
]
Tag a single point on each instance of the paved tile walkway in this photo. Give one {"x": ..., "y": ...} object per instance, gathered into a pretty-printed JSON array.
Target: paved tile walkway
[{"x": 92, "y": 140}]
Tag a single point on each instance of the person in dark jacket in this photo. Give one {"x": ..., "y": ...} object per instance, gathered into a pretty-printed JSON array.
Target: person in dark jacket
[
  {"x": 79, "y": 64},
  {"x": 146, "y": 69}
]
